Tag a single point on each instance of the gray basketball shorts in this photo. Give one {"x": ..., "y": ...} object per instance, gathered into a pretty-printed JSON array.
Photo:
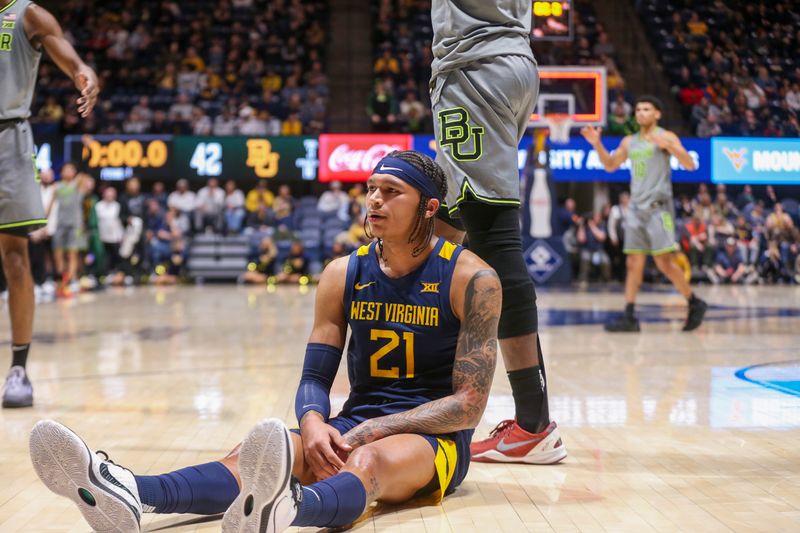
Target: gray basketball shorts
[
  {"x": 67, "y": 237},
  {"x": 480, "y": 114},
  {"x": 20, "y": 199},
  {"x": 650, "y": 231}
]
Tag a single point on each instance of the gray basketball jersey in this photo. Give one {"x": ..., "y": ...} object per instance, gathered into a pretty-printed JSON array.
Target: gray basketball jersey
[
  {"x": 19, "y": 63},
  {"x": 465, "y": 31},
  {"x": 651, "y": 175}
]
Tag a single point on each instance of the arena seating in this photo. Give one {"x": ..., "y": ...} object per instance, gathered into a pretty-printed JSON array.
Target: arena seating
[
  {"x": 733, "y": 61},
  {"x": 248, "y": 58}
]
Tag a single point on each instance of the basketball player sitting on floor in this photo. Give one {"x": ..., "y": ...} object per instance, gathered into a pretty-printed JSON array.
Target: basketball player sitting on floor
[{"x": 423, "y": 316}]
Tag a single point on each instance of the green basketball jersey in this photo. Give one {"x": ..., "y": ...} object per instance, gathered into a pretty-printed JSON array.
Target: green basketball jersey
[
  {"x": 19, "y": 63},
  {"x": 651, "y": 174}
]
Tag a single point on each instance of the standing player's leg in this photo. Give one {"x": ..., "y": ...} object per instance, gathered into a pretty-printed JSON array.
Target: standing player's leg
[
  {"x": 494, "y": 235},
  {"x": 480, "y": 114},
  {"x": 662, "y": 235},
  {"x": 668, "y": 265},
  {"x": 636, "y": 247},
  {"x": 21, "y": 212},
  {"x": 634, "y": 275},
  {"x": 652, "y": 232},
  {"x": 18, "y": 391}
]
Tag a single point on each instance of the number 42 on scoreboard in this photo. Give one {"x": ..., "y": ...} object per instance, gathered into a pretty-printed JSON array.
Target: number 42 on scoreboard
[{"x": 207, "y": 159}]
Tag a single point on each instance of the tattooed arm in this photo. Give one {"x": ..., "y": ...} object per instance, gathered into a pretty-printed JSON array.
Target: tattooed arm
[{"x": 478, "y": 307}]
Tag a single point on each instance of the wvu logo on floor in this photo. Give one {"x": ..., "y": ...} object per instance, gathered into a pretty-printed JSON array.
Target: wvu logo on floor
[{"x": 429, "y": 287}]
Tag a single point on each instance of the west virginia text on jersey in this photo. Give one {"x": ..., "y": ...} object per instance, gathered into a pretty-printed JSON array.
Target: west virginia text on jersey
[{"x": 416, "y": 315}]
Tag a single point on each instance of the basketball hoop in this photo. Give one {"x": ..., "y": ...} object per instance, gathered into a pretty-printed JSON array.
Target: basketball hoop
[{"x": 559, "y": 126}]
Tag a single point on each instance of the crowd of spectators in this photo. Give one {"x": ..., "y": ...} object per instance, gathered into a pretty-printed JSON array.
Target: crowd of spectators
[
  {"x": 402, "y": 39},
  {"x": 99, "y": 236},
  {"x": 250, "y": 67},
  {"x": 733, "y": 64},
  {"x": 105, "y": 236},
  {"x": 746, "y": 239}
]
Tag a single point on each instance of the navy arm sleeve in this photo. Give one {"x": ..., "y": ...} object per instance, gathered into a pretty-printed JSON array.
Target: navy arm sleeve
[{"x": 319, "y": 370}]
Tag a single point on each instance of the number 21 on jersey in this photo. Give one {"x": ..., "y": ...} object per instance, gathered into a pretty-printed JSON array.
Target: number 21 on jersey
[{"x": 375, "y": 369}]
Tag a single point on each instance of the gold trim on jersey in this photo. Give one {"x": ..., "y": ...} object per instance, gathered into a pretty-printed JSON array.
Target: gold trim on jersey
[
  {"x": 445, "y": 463},
  {"x": 447, "y": 250}
]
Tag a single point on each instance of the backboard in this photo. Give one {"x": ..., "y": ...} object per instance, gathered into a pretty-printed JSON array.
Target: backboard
[{"x": 580, "y": 92}]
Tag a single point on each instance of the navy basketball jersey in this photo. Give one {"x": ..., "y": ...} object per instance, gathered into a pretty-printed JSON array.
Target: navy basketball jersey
[{"x": 403, "y": 332}]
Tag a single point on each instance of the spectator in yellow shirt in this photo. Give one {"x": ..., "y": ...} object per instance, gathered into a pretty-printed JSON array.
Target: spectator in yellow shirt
[
  {"x": 292, "y": 125},
  {"x": 194, "y": 60},
  {"x": 272, "y": 81},
  {"x": 387, "y": 64},
  {"x": 261, "y": 194},
  {"x": 697, "y": 26}
]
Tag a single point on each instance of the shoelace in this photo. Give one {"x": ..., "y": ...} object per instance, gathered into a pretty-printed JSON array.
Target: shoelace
[
  {"x": 107, "y": 460},
  {"x": 502, "y": 428},
  {"x": 297, "y": 491},
  {"x": 16, "y": 377}
]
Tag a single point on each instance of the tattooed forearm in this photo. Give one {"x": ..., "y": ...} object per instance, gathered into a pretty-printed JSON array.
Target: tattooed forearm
[
  {"x": 473, "y": 370},
  {"x": 448, "y": 414}
]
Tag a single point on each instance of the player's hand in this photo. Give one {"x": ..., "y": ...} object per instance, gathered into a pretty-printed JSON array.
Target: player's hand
[
  {"x": 38, "y": 235},
  {"x": 324, "y": 447},
  {"x": 661, "y": 140},
  {"x": 86, "y": 82},
  {"x": 591, "y": 134}
]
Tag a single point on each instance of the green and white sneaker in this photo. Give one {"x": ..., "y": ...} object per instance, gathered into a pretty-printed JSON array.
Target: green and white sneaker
[{"x": 105, "y": 493}]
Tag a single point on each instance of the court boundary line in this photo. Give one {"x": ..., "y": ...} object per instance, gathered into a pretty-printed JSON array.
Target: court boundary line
[{"x": 742, "y": 374}]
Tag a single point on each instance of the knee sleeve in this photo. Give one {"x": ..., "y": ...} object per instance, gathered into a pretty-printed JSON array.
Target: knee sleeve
[{"x": 494, "y": 235}]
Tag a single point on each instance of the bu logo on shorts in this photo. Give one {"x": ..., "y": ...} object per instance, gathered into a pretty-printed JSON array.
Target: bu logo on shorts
[{"x": 456, "y": 132}]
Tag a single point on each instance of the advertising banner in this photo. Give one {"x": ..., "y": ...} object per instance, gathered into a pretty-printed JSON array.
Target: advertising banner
[
  {"x": 577, "y": 161},
  {"x": 351, "y": 158},
  {"x": 345, "y": 157},
  {"x": 755, "y": 161}
]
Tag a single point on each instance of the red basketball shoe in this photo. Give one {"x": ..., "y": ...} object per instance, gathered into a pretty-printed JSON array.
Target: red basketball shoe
[{"x": 509, "y": 443}]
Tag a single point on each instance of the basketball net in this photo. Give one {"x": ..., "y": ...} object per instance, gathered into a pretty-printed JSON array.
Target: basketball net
[{"x": 558, "y": 125}]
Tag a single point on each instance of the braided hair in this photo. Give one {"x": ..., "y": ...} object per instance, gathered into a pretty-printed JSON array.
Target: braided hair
[{"x": 423, "y": 228}]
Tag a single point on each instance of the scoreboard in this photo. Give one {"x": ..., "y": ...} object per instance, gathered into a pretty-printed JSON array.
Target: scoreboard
[
  {"x": 168, "y": 157},
  {"x": 552, "y": 21}
]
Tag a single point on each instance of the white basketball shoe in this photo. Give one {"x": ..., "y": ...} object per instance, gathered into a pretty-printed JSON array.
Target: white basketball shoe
[
  {"x": 105, "y": 493},
  {"x": 270, "y": 496}
]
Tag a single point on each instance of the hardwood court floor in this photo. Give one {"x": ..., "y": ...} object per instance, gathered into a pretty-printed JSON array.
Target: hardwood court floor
[{"x": 662, "y": 435}]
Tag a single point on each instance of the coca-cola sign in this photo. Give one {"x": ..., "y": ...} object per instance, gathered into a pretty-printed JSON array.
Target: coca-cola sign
[{"x": 352, "y": 157}]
